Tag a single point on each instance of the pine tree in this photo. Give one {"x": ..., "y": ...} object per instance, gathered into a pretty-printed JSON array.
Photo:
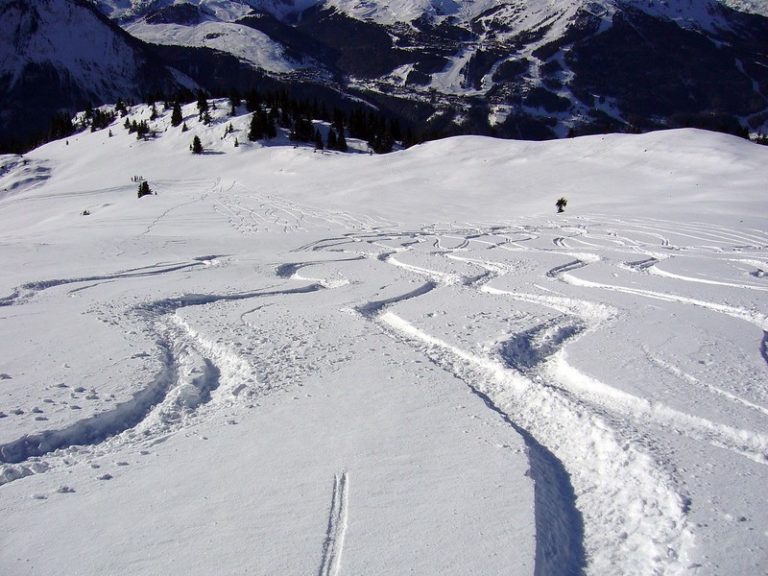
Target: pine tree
[
  {"x": 144, "y": 189},
  {"x": 176, "y": 116},
  {"x": 302, "y": 130},
  {"x": 333, "y": 141},
  {"x": 269, "y": 123},
  {"x": 256, "y": 131},
  {"x": 395, "y": 131},
  {"x": 341, "y": 145},
  {"x": 120, "y": 107},
  {"x": 153, "y": 115},
  {"x": 197, "y": 146},
  {"x": 202, "y": 102},
  {"x": 318, "y": 140},
  {"x": 184, "y": 127},
  {"x": 61, "y": 126},
  {"x": 234, "y": 102}
]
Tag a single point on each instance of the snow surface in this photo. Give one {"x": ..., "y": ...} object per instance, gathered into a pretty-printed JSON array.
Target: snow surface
[
  {"x": 245, "y": 43},
  {"x": 289, "y": 361}
]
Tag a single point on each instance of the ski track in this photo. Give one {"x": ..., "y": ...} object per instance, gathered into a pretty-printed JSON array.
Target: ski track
[
  {"x": 250, "y": 212},
  {"x": 674, "y": 370},
  {"x": 193, "y": 370},
  {"x": 607, "y": 474},
  {"x": 26, "y": 291},
  {"x": 497, "y": 392},
  {"x": 601, "y": 500},
  {"x": 333, "y": 545},
  {"x": 529, "y": 380}
]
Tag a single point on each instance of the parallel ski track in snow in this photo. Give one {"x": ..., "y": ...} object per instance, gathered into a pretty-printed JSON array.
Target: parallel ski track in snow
[{"x": 333, "y": 545}]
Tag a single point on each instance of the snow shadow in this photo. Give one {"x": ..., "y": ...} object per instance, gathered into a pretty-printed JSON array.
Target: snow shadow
[
  {"x": 99, "y": 427},
  {"x": 371, "y": 309},
  {"x": 527, "y": 350},
  {"x": 559, "y": 524}
]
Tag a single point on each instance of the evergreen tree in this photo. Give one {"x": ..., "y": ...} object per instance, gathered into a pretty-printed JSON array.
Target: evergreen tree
[
  {"x": 395, "y": 131},
  {"x": 101, "y": 119},
  {"x": 61, "y": 126},
  {"x": 252, "y": 101},
  {"x": 269, "y": 123},
  {"x": 153, "y": 115},
  {"x": 184, "y": 127},
  {"x": 285, "y": 118},
  {"x": 234, "y": 102},
  {"x": 318, "y": 140},
  {"x": 341, "y": 144},
  {"x": 202, "y": 102},
  {"x": 256, "y": 131},
  {"x": 176, "y": 116},
  {"x": 333, "y": 141},
  {"x": 302, "y": 130},
  {"x": 120, "y": 107},
  {"x": 197, "y": 146},
  {"x": 144, "y": 189}
]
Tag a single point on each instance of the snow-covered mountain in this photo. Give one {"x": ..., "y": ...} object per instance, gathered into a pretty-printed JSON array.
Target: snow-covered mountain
[
  {"x": 289, "y": 361},
  {"x": 522, "y": 68},
  {"x": 528, "y": 69},
  {"x": 409, "y": 10},
  {"x": 62, "y": 55}
]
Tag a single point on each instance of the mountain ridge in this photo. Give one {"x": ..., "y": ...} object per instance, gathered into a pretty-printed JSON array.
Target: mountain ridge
[{"x": 532, "y": 70}]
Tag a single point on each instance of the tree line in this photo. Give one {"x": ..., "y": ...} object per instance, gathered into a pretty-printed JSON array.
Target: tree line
[{"x": 269, "y": 110}]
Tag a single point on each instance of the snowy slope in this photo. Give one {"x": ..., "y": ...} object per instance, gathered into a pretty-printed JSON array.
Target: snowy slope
[
  {"x": 289, "y": 361},
  {"x": 750, "y": 6},
  {"x": 409, "y": 10},
  {"x": 247, "y": 44}
]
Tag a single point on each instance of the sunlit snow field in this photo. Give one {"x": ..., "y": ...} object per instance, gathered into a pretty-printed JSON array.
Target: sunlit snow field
[{"x": 296, "y": 362}]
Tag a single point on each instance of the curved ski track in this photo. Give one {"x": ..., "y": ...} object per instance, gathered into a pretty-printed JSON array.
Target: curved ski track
[
  {"x": 601, "y": 499},
  {"x": 579, "y": 430},
  {"x": 193, "y": 372}
]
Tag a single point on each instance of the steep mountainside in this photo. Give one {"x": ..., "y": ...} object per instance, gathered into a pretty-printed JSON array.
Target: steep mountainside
[
  {"x": 531, "y": 69},
  {"x": 537, "y": 68},
  {"x": 62, "y": 55}
]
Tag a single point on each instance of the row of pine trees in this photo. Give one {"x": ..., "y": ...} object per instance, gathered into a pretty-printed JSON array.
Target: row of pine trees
[{"x": 269, "y": 111}]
